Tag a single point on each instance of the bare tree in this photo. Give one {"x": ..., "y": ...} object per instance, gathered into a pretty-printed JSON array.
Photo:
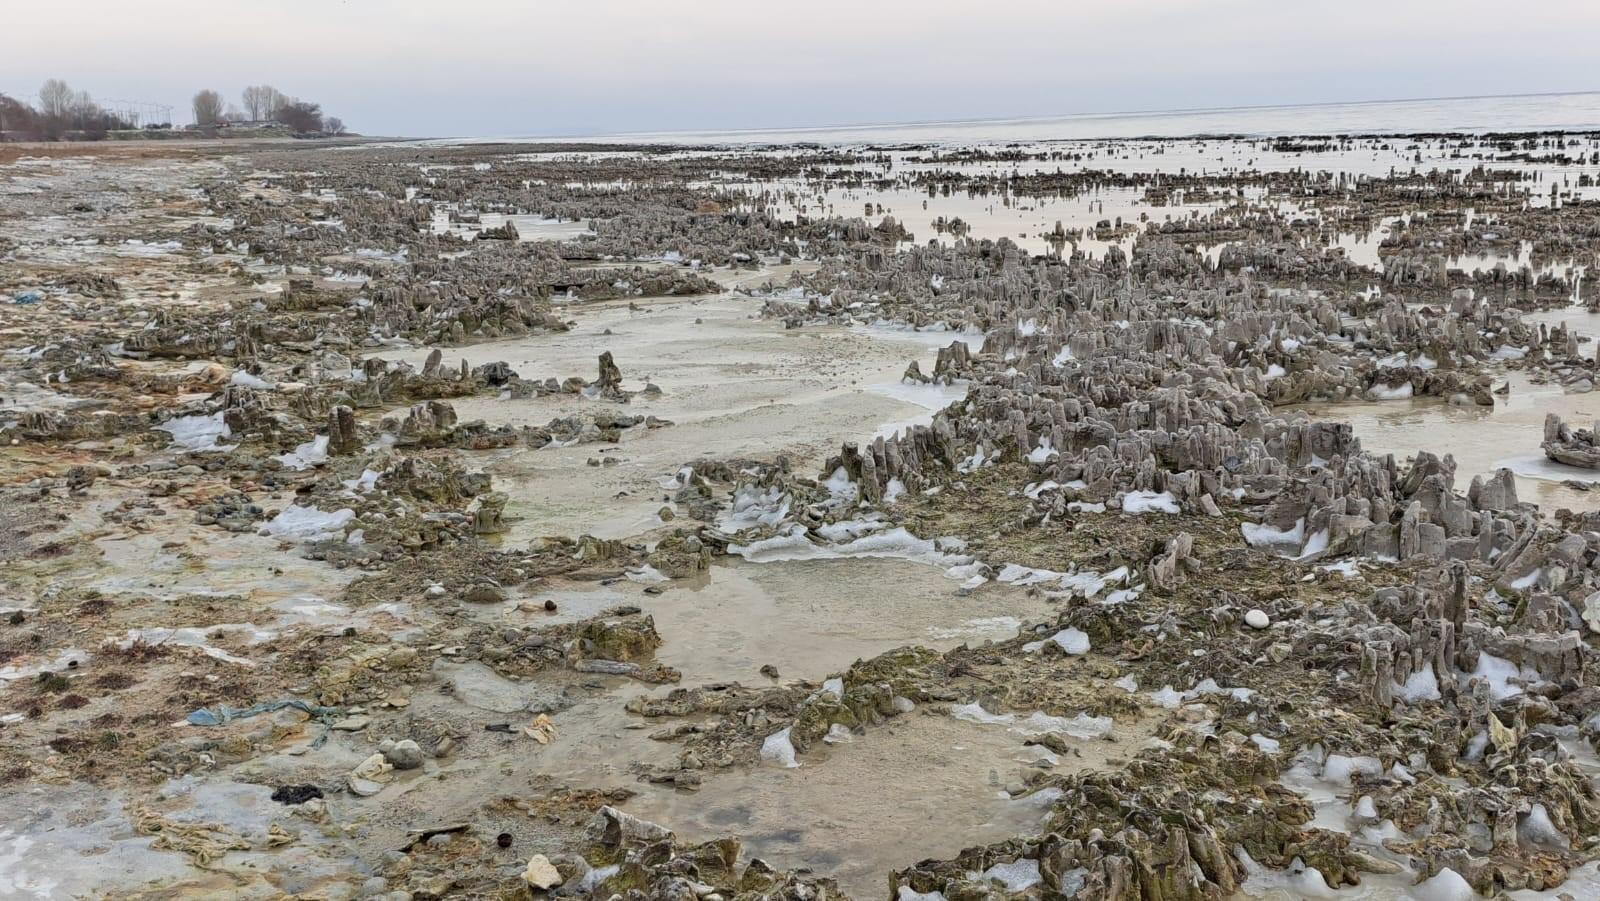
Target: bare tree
[
  {"x": 255, "y": 101},
  {"x": 207, "y": 109},
  {"x": 261, "y": 101},
  {"x": 18, "y": 121},
  {"x": 300, "y": 115},
  {"x": 84, "y": 109},
  {"x": 56, "y": 99},
  {"x": 333, "y": 125}
]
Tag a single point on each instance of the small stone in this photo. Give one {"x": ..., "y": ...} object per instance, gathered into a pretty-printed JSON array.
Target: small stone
[
  {"x": 405, "y": 755},
  {"x": 364, "y": 788},
  {"x": 541, "y": 874},
  {"x": 1257, "y": 619},
  {"x": 484, "y": 593},
  {"x": 1591, "y": 612}
]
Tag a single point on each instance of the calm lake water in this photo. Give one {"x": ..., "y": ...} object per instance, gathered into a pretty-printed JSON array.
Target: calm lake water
[{"x": 1533, "y": 112}]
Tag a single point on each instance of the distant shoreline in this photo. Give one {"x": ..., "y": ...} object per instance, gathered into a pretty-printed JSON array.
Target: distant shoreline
[{"x": 882, "y": 133}]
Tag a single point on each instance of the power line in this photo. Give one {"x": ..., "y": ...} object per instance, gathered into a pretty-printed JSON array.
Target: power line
[{"x": 140, "y": 113}]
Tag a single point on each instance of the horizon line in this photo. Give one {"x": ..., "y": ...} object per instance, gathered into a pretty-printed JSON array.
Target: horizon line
[{"x": 1048, "y": 117}]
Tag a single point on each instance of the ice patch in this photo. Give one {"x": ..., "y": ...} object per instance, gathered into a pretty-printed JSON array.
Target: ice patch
[
  {"x": 308, "y": 523},
  {"x": 1384, "y": 392},
  {"x": 1536, "y": 829},
  {"x": 195, "y": 637},
  {"x": 1017, "y": 876},
  {"x": 249, "y": 380},
  {"x": 1172, "y": 699},
  {"x": 1123, "y": 595},
  {"x": 1316, "y": 544},
  {"x": 840, "y": 488},
  {"x": 1210, "y": 687},
  {"x": 895, "y": 490},
  {"x": 1527, "y": 581},
  {"x": 850, "y": 529},
  {"x": 1080, "y": 726},
  {"x": 1263, "y": 535},
  {"x": 1016, "y": 574},
  {"x": 1346, "y": 568},
  {"x": 647, "y": 574},
  {"x": 1340, "y": 769},
  {"x": 753, "y": 506},
  {"x": 596, "y": 876},
  {"x": 1034, "y": 489},
  {"x": 1296, "y": 881},
  {"x": 976, "y": 461},
  {"x": 1167, "y": 696},
  {"x": 1149, "y": 502},
  {"x": 894, "y": 543},
  {"x": 198, "y": 432},
  {"x": 1421, "y": 685},
  {"x": 1071, "y": 641},
  {"x": 1499, "y": 672},
  {"x": 1446, "y": 885},
  {"x": 777, "y": 747},
  {"x": 937, "y": 336},
  {"x": 983, "y": 627},
  {"x": 68, "y": 659},
  {"x": 312, "y": 453}
]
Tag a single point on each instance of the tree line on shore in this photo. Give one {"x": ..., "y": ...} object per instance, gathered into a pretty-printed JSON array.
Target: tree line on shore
[{"x": 63, "y": 113}]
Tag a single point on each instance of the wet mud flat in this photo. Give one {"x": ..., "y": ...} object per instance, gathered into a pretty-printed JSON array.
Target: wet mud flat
[{"x": 1101, "y": 519}]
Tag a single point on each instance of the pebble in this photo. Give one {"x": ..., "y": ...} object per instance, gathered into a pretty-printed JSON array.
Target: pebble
[
  {"x": 541, "y": 874},
  {"x": 405, "y": 755}
]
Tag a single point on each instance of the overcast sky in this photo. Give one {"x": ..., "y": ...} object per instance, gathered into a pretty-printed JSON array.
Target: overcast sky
[{"x": 539, "y": 67}]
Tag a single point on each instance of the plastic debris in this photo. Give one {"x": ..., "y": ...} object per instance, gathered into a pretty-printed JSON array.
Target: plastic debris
[{"x": 222, "y": 714}]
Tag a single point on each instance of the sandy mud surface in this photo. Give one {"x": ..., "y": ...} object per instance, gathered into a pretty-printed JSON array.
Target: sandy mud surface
[{"x": 1187, "y": 519}]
